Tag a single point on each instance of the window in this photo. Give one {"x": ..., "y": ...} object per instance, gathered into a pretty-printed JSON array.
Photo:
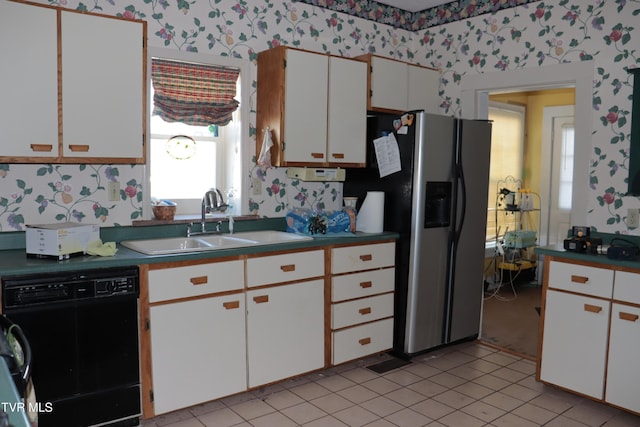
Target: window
[
  {"x": 565, "y": 176},
  {"x": 187, "y": 160},
  {"x": 507, "y": 141}
]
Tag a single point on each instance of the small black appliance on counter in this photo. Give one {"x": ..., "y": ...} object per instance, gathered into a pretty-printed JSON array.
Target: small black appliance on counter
[{"x": 581, "y": 241}]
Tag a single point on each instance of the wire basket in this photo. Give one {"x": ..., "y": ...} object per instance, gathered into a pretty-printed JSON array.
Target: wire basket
[{"x": 164, "y": 213}]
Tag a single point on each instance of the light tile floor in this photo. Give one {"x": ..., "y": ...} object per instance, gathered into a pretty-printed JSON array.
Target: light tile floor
[{"x": 468, "y": 384}]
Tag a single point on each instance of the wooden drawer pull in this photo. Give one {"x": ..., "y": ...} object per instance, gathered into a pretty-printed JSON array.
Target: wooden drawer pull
[
  {"x": 229, "y": 305},
  {"x": 592, "y": 308},
  {"x": 338, "y": 155},
  {"x": 261, "y": 299},
  {"x": 367, "y": 257},
  {"x": 42, "y": 147},
  {"x": 317, "y": 155},
  {"x": 79, "y": 147},
  {"x": 365, "y": 341},
  {"x": 365, "y": 285},
  {"x": 366, "y": 310},
  {"x": 628, "y": 316},
  {"x": 288, "y": 267},
  {"x": 579, "y": 279},
  {"x": 201, "y": 280}
]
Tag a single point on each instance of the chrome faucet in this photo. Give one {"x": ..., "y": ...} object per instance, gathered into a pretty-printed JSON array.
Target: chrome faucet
[{"x": 211, "y": 202}]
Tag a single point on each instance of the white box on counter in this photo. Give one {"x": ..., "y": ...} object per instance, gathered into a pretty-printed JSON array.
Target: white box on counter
[{"x": 60, "y": 240}]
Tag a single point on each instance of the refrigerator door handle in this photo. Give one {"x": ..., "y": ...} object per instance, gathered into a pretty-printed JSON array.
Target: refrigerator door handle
[
  {"x": 461, "y": 181},
  {"x": 460, "y": 196}
]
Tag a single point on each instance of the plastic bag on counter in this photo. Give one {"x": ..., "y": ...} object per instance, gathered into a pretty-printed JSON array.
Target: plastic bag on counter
[{"x": 310, "y": 222}]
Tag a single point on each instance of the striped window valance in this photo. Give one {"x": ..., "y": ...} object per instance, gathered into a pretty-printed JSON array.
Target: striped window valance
[{"x": 194, "y": 94}]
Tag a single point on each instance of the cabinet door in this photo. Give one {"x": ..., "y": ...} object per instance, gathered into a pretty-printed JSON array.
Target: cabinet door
[
  {"x": 623, "y": 372},
  {"x": 29, "y": 83},
  {"x": 198, "y": 351},
  {"x": 102, "y": 87},
  {"x": 574, "y": 344},
  {"x": 388, "y": 84},
  {"x": 347, "y": 134},
  {"x": 285, "y": 331},
  {"x": 424, "y": 84},
  {"x": 306, "y": 82}
]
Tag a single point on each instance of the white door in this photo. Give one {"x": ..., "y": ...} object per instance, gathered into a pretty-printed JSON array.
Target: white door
[
  {"x": 285, "y": 331},
  {"x": 105, "y": 119},
  {"x": 574, "y": 345},
  {"x": 556, "y": 188},
  {"x": 198, "y": 351},
  {"x": 347, "y": 134},
  {"x": 307, "y": 80}
]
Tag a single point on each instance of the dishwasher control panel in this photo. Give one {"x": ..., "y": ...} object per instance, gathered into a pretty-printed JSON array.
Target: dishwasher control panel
[{"x": 77, "y": 285}]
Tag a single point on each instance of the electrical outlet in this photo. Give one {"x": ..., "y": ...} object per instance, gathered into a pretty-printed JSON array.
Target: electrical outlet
[
  {"x": 256, "y": 185},
  {"x": 113, "y": 188},
  {"x": 633, "y": 218}
]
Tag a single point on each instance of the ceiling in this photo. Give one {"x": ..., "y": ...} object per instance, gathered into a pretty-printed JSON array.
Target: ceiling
[{"x": 414, "y": 5}]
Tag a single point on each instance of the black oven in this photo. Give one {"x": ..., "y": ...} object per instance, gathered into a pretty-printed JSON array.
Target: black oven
[{"x": 83, "y": 330}]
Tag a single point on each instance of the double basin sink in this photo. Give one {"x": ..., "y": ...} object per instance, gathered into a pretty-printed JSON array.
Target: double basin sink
[{"x": 176, "y": 245}]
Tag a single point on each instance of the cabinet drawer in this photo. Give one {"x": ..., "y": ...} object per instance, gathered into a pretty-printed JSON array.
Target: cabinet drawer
[
  {"x": 358, "y": 285},
  {"x": 360, "y": 311},
  {"x": 194, "y": 280},
  {"x": 365, "y": 257},
  {"x": 597, "y": 282},
  {"x": 284, "y": 268},
  {"x": 359, "y": 341},
  {"x": 627, "y": 287}
]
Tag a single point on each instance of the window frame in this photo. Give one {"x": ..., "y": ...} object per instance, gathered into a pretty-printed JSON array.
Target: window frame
[{"x": 244, "y": 110}]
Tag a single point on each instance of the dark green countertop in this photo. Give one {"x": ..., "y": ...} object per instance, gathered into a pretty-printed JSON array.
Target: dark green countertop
[
  {"x": 559, "y": 251},
  {"x": 15, "y": 261}
]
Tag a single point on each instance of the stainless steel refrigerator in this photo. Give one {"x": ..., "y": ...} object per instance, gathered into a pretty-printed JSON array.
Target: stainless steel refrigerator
[{"x": 437, "y": 202}]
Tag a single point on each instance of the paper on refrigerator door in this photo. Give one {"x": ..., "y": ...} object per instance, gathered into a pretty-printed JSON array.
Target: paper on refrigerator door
[{"x": 387, "y": 154}]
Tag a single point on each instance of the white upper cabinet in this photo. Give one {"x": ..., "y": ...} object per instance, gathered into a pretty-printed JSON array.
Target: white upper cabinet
[
  {"x": 305, "y": 107},
  {"x": 347, "y": 106},
  {"x": 423, "y": 88},
  {"x": 28, "y": 81},
  {"x": 397, "y": 86},
  {"x": 388, "y": 84},
  {"x": 76, "y": 98},
  {"x": 314, "y": 105},
  {"x": 102, "y": 87}
]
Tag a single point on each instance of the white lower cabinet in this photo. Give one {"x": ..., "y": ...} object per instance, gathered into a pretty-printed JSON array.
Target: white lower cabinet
[
  {"x": 591, "y": 331},
  {"x": 198, "y": 351},
  {"x": 623, "y": 371},
  {"x": 575, "y": 342},
  {"x": 285, "y": 331},
  {"x": 362, "y": 300},
  {"x": 213, "y": 328}
]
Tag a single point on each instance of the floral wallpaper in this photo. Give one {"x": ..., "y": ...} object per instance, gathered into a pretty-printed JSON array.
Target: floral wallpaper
[{"x": 498, "y": 35}]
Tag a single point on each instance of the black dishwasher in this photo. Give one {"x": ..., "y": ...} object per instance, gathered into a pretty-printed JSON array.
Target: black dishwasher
[{"x": 83, "y": 330}]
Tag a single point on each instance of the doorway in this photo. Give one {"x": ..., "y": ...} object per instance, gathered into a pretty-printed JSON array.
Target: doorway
[
  {"x": 543, "y": 173},
  {"x": 475, "y": 96}
]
